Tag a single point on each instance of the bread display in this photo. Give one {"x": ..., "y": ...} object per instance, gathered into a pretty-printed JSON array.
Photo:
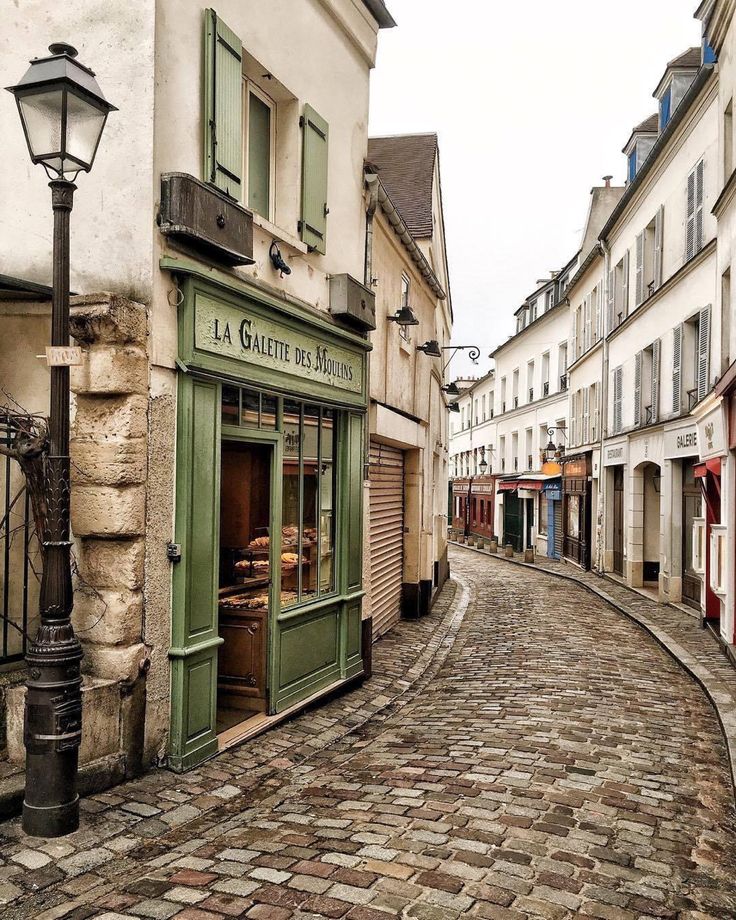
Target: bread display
[
  {"x": 252, "y": 567},
  {"x": 260, "y": 543},
  {"x": 290, "y": 559}
]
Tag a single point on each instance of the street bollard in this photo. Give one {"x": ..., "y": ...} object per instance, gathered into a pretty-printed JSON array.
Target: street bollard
[
  {"x": 508, "y": 551},
  {"x": 529, "y": 554},
  {"x": 494, "y": 545}
]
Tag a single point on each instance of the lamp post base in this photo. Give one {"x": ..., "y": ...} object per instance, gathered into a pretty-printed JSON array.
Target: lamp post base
[{"x": 51, "y": 820}]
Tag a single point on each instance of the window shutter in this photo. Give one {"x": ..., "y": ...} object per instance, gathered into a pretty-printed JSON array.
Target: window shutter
[
  {"x": 690, "y": 224},
  {"x": 313, "y": 224},
  {"x": 625, "y": 286},
  {"x": 573, "y": 418},
  {"x": 575, "y": 324},
  {"x": 610, "y": 302},
  {"x": 699, "y": 170},
  {"x": 596, "y": 411},
  {"x": 658, "y": 247},
  {"x": 656, "y": 348},
  {"x": 704, "y": 353},
  {"x": 586, "y": 414},
  {"x": 617, "y": 398},
  {"x": 677, "y": 371},
  {"x": 223, "y": 106},
  {"x": 639, "y": 269},
  {"x": 637, "y": 389}
]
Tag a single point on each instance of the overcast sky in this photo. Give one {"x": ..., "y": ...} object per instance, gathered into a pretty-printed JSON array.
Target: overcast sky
[{"x": 532, "y": 103}]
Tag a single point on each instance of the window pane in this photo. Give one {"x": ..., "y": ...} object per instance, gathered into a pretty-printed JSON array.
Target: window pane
[
  {"x": 249, "y": 408},
  {"x": 310, "y": 546},
  {"x": 290, "y": 509},
  {"x": 259, "y": 155},
  {"x": 268, "y": 411},
  {"x": 327, "y": 504},
  {"x": 230, "y": 405}
]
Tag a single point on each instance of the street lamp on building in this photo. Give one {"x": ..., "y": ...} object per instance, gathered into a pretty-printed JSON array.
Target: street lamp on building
[
  {"x": 63, "y": 113},
  {"x": 554, "y": 452},
  {"x": 483, "y": 464}
]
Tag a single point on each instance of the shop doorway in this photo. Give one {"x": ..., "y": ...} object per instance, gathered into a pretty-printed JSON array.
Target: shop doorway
[
  {"x": 244, "y": 594},
  {"x": 652, "y": 477},
  {"x": 692, "y": 507},
  {"x": 513, "y": 521},
  {"x": 618, "y": 520}
]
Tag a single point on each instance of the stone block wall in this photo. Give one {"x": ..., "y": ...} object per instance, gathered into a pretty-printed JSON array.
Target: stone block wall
[{"x": 109, "y": 469}]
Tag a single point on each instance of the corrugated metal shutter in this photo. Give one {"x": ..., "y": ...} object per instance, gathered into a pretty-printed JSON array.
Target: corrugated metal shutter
[
  {"x": 558, "y": 528},
  {"x": 386, "y": 535}
]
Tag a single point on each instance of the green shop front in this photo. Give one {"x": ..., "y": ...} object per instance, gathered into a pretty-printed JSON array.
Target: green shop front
[{"x": 268, "y": 592}]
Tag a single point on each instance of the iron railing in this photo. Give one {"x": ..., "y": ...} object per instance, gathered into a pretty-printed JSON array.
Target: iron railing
[{"x": 19, "y": 554}]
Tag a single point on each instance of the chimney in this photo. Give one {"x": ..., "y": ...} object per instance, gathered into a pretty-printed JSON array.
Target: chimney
[{"x": 607, "y": 180}]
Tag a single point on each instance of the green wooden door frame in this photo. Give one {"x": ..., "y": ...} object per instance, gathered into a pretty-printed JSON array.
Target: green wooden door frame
[{"x": 313, "y": 645}]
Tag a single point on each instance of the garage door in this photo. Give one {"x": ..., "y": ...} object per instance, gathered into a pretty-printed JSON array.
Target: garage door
[{"x": 386, "y": 535}]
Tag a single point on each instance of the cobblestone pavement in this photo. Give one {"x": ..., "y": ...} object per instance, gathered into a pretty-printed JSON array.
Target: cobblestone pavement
[{"x": 544, "y": 758}]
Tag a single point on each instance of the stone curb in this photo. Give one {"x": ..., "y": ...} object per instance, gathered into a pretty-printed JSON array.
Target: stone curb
[{"x": 720, "y": 698}]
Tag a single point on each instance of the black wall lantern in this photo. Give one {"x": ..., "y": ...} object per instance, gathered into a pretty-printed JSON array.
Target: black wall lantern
[
  {"x": 404, "y": 317},
  {"x": 483, "y": 465},
  {"x": 431, "y": 348},
  {"x": 63, "y": 113}
]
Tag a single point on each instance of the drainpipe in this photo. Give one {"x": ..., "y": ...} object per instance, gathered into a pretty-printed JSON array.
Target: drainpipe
[
  {"x": 604, "y": 409},
  {"x": 371, "y": 182}
]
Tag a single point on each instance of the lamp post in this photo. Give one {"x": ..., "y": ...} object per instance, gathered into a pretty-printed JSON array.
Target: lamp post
[{"x": 63, "y": 113}]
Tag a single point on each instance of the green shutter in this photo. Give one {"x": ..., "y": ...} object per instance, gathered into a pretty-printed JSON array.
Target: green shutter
[
  {"x": 194, "y": 628},
  {"x": 313, "y": 224},
  {"x": 223, "y": 106}
]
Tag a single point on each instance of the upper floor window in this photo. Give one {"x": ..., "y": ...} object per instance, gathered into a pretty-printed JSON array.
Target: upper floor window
[
  {"x": 632, "y": 165},
  {"x": 532, "y": 311},
  {"x": 665, "y": 108},
  {"x": 240, "y": 155},
  {"x": 549, "y": 300},
  {"x": 258, "y": 169},
  {"x": 695, "y": 189},
  {"x": 405, "y": 291}
]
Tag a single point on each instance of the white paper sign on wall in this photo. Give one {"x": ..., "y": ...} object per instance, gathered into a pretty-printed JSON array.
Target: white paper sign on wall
[{"x": 63, "y": 355}]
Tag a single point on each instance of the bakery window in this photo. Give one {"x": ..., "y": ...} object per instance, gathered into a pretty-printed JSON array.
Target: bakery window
[{"x": 307, "y": 507}]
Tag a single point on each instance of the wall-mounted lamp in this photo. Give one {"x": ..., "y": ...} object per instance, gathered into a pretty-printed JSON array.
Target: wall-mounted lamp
[
  {"x": 431, "y": 348},
  {"x": 454, "y": 407},
  {"x": 552, "y": 451},
  {"x": 452, "y": 389},
  {"x": 483, "y": 465},
  {"x": 404, "y": 317},
  {"x": 657, "y": 482},
  {"x": 277, "y": 260}
]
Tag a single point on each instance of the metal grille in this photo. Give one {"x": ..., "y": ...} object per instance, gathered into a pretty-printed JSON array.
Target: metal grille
[{"x": 19, "y": 555}]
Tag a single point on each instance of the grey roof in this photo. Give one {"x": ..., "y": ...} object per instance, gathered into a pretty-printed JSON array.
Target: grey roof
[
  {"x": 648, "y": 126},
  {"x": 382, "y": 16},
  {"x": 689, "y": 58},
  {"x": 406, "y": 164}
]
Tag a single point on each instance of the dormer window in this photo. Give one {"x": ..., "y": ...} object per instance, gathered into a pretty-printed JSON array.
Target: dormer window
[
  {"x": 631, "y": 173},
  {"x": 665, "y": 108}
]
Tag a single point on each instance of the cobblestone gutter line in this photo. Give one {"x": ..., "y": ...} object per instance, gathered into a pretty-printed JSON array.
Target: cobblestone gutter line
[{"x": 721, "y": 696}]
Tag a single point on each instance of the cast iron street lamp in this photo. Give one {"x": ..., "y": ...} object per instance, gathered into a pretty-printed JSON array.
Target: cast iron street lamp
[{"x": 63, "y": 112}]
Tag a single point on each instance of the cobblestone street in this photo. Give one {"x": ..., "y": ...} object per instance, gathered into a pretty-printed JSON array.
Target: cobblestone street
[{"x": 542, "y": 757}]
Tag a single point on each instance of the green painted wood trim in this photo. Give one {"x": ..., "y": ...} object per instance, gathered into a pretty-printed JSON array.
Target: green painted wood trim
[
  {"x": 315, "y": 152},
  {"x": 253, "y": 373},
  {"x": 195, "y": 649},
  {"x": 223, "y": 106},
  {"x": 194, "y": 600},
  {"x": 285, "y": 306}
]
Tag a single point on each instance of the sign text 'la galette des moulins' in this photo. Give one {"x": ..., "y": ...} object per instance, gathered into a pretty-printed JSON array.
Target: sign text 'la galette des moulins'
[{"x": 229, "y": 331}]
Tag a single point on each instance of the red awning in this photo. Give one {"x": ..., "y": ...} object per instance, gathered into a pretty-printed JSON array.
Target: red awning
[
  {"x": 511, "y": 485},
  {"x": 710, "y": 466}
]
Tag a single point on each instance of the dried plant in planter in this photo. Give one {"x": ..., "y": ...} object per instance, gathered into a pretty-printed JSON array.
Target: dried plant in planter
[{"x": 27, "y": 442}]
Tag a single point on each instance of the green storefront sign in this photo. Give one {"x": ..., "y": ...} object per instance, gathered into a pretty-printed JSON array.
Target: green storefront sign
[{"x": 267, "y": 597}]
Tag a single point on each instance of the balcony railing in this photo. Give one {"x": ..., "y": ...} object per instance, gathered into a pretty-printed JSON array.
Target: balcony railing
[
  {"x": 545, "y": 388},
  {"x": 503, "y": 407},
  {"x": 516, "y": 402},
  {"x": 530, "y": 462},
  {"x": 648, "y": 415},
  {"x": 531, "y": 394},
  {"x": 516, "y": 464},
  {"x": 503, "y": 465},
  {"x": 692, "y": 398},
  {"x": 563, "y": 382}
]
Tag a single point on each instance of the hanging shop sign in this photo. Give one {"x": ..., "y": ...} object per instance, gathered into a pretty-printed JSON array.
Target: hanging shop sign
[
  {"x": 681, "y": 442},
  {"x": 226, "y": 330},
  {"x": 712, "y": 434},
  {"x": 615, "y": 454}
]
